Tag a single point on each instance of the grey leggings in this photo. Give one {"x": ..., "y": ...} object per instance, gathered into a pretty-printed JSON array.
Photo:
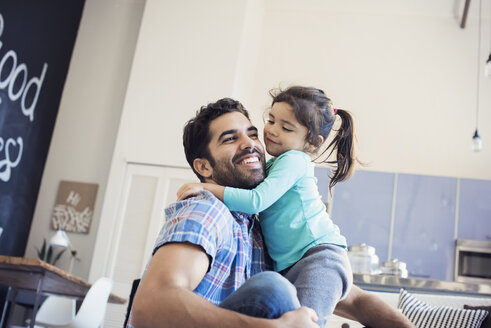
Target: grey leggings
[{"x": 322, "y": 277}]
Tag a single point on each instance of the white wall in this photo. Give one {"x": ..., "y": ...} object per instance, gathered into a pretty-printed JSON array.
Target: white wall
[
  {"x": 88, "y": 118},
  {"x": 404, "y": 68},
  {"x": 187, "y": 55}
]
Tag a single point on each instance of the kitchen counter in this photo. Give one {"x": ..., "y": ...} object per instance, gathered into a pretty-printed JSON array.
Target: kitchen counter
[{"x": 389, "y": 283}]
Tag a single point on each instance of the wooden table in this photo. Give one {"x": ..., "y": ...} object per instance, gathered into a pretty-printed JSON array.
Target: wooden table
[{"x": 39, "y": 277}]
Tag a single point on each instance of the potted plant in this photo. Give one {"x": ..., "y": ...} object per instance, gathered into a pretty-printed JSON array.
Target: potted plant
[{"x": 46, "y": 253}]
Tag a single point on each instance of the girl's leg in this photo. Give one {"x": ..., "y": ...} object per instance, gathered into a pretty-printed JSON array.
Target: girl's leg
[
  {"x": 265, "y": 295},
  {"x": 322, "y": 278}
]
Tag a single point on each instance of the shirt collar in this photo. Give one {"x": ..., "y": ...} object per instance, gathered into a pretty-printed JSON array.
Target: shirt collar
[{"x": 245, "y": 218}]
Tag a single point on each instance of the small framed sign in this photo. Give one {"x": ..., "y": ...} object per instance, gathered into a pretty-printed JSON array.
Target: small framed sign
[{"x": 74, "y": 206}]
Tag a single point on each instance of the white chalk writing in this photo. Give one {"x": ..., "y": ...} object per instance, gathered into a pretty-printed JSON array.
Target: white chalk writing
[
  {"x": 14, "y": 76},
  {"x": 7, "y": 164},
  {"x": 67, "y": 218},
  {"x": 73, "y": 198}
]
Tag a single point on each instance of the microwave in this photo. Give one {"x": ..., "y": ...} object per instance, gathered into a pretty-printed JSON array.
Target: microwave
[{"x": 472, "y": 261}]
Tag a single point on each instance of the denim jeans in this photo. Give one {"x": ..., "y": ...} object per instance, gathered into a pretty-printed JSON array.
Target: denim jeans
[{"x": 266, "y": 295}]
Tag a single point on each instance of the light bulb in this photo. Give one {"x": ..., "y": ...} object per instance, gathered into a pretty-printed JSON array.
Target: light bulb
[
  {"x": 487, "y": 67},
  {"x": 476, "y": 142}
]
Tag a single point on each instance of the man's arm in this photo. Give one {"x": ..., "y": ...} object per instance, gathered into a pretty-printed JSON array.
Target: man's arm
[
  {"x": 165, "y": 296},
  {"x": 370, "y": 310}
]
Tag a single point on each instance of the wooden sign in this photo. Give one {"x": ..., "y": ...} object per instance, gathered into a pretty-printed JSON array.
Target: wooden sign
[{"x": 74, "y": 206}]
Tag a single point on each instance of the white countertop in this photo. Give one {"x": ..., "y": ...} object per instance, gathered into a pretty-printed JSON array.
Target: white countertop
[{"x": 379, "y": 282}]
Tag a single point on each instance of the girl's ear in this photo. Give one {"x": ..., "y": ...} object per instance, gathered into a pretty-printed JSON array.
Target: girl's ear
[
  {"x": 316, "y": 142},
  {"x": 319, "y": 140},
  {"x": 203, "y": 167},
  {"x": 314, "y": 146}
]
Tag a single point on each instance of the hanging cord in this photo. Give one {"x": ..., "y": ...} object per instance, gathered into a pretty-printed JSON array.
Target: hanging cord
[{"x": 478, "y": 64}]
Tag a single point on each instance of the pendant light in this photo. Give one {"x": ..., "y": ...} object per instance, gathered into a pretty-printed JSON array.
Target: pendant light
[
  {"x": 487, "y": 67},
  {"x": 476, "y": 142},
  {"x": 476, "y": 145}
]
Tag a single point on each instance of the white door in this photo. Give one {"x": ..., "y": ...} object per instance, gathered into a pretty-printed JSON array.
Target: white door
[{"x": 147, "y": 190}]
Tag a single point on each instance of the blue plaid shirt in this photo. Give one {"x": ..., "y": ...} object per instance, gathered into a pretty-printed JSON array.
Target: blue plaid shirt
[{"x": 232, "y": 240}]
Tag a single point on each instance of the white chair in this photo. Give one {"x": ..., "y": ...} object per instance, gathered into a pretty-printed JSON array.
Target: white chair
[
  {"x": 92, "y": 310},
  {"x": 56, "y": 310}
]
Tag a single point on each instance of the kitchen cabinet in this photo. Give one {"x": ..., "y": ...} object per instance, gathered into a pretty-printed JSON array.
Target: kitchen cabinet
[
  {"x": 362, "y": 209},
  {"x": 424, "y": 225},
  {"x": 425, "y": 219},
  {"x": 474, "y": 221}
]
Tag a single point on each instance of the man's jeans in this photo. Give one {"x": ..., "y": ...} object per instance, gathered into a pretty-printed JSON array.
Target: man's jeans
[{"x": 266, "y": 295}]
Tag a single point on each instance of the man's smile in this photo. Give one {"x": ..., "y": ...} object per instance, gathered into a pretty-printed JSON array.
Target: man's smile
[{"x": 251, "y": 160}]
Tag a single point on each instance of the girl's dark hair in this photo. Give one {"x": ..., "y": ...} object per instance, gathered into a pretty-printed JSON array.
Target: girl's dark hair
[
  {"x": 196, "y": 136},
  {"x": 315, "y": 111}
]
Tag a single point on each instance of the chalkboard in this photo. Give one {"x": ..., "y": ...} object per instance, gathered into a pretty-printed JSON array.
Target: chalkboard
[{"x": 36, "y": 44}]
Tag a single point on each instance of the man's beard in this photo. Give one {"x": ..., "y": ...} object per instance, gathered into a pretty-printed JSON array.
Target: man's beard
[{"x": 226, "y": 173}]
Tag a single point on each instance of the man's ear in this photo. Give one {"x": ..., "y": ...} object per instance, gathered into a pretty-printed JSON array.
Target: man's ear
[{"x": 203, "y": 167}]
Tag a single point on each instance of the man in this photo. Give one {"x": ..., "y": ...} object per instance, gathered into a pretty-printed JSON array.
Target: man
[
  {"x": 206, "y": 269},
  {"x": 204, "y": 253}
]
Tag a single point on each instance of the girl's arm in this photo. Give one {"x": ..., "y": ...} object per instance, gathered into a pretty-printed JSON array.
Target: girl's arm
[
  {"x": 193, "y": 188},
  {"x": 285, "y": 172}
]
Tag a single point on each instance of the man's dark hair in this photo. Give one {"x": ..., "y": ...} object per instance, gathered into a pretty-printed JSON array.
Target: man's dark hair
[{"x": 196, "y": 136}]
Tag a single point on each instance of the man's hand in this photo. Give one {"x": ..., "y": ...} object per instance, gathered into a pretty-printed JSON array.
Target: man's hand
[
  {"x": 302, "y": 317},
  {"x": 189, "y": 189}
]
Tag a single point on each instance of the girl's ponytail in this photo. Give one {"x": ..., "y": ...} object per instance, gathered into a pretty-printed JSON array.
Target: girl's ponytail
[{"x": 343, "y": 143}]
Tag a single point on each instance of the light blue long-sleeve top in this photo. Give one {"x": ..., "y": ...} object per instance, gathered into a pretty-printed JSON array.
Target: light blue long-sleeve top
[{"x": 293, "y": 217}]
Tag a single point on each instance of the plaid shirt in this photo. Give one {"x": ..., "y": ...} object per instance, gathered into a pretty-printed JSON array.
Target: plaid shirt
[{"x": 232, "y": 240}]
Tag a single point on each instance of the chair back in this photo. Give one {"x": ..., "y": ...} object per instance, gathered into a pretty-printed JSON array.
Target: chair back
[
  {"x": 134, "y": 287},
  {"x": 56, "y": 310},
  {"x": 93, "y": 308}
]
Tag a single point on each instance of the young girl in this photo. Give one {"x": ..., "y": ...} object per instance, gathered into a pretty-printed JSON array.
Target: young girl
[{"x": 305, "y": 245}]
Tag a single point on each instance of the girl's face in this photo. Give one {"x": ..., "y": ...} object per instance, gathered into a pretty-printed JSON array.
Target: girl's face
[{"x": 282, "y": 131}]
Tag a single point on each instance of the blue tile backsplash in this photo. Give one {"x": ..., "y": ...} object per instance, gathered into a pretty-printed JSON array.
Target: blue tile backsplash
[{"x": 425, "y": 222}]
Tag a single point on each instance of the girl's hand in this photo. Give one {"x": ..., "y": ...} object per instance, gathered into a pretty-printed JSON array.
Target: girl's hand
[{"x": 189, "y": 189}]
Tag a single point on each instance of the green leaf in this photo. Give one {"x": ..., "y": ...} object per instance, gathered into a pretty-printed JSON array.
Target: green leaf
[
  {"x": 42, "y": 252},
  {"x": 57, "y": 257},
  {"x": 49, "y": 254}
]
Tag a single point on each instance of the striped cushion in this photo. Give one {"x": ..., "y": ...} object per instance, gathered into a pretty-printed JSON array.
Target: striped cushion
[{"x": 426, "y": 316}]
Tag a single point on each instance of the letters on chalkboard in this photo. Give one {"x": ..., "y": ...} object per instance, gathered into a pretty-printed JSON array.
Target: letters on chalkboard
[
  {"x": 36, "y": 44},
  {"x": 6, "y": 149},
  {"x": 14, "y": 76}
]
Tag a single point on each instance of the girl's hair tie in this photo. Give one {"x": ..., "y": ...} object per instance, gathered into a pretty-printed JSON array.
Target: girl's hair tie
[{"x": 335, "y": 111}]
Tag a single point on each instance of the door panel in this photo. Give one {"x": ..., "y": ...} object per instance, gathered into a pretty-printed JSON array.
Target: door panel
[{"x": 148, "y": 189}]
